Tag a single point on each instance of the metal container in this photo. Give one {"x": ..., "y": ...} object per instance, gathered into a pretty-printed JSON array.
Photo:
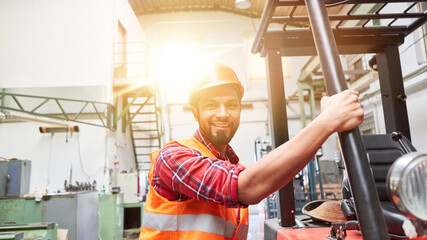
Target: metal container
[
  {"x": 14, "y": 178},
  {"x": 77, "y": 212}
]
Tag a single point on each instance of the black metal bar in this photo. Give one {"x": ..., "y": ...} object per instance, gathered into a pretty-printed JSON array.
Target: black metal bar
[
  {"x": 304, "y": 46},
  {"x": 288, "y": 19},
  {"x": 410, "y": 6},
  {"x": 263, "y": 25},
  {"x": 381, "y": 8},
  {"x": 279, "y": 131},
  {"x": 292, "y": 11},
  {"x": 351, "y": 9},
  {"x": 365, "y": 196},
  {"x": 393, "y": 91},
  {"x": 338, "y": 25},
  {"x": 342, "y": 32},
  {"x": 351, "y": 31},
  {"x": 366, "y": 22},
  {"x": 290, "y": 15},
  {"x": 394, "y": 20},
  {"x": 284, "y": 3},
  {"x": 416, "y": 24}
]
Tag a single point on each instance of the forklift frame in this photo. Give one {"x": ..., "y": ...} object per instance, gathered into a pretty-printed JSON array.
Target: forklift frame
[{"x": 302, "y": 36}]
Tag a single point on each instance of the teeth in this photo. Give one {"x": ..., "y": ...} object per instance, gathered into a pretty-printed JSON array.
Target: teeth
[{"x": 221, "y": 125}]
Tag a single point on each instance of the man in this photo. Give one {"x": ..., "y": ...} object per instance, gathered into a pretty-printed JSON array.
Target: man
[{"x": 199, "y": 191}]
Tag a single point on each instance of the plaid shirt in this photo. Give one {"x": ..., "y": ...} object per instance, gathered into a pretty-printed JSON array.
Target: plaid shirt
[{"x": 181, "y": 173}]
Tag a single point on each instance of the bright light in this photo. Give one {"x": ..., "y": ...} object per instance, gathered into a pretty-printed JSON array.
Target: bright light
[
  {"x": 243, "y": 4},
  {"x": 177, "y": 65}
]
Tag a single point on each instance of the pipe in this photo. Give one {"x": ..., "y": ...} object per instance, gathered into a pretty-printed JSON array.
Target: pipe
[
  {"x": 21, "y": 116},
  {"x": 366, "y": 198}
]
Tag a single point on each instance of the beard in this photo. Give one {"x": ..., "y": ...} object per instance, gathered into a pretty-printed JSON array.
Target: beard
[{"x": 219, "y": 137}]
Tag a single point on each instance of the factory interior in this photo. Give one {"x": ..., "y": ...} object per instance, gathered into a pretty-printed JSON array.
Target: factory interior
[{"x": 89, "y": 89}]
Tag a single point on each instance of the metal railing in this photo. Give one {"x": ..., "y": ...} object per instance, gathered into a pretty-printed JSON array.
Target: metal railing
[{"x": 93, "y": 113}]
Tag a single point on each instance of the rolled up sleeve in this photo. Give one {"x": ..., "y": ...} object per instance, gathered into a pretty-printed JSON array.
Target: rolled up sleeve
[{"x": 186, "y": 171}]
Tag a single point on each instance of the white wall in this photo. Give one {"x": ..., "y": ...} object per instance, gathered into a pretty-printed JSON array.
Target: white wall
[
  {"x": 64, "y": 49},
  {"x": 56, "y": 43},
  {"x": 51, "y": 156}
]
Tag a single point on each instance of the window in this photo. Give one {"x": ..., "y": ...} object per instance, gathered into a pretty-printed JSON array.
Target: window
[
  {"x": 368, "y": 125},
  {"x": 120, "y": 53}
]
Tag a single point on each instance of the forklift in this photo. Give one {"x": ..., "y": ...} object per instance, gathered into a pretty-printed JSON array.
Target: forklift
[{"x": 379, "y": 205}]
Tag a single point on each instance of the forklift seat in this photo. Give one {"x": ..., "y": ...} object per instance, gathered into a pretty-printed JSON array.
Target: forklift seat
[{"x": 382, "y": 152}]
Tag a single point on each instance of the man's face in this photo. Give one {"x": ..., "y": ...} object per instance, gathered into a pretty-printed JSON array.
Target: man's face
[{"x": 218, "y": 114}]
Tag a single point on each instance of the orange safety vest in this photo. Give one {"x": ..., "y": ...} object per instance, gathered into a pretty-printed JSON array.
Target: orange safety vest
[{"x": 191, "y": 219}]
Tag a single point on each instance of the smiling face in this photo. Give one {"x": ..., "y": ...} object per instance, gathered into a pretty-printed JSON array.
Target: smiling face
[{"x": 218, "y": 114}]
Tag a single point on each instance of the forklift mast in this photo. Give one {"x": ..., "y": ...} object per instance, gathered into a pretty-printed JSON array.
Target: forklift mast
[{"x": 313, "y": 33}]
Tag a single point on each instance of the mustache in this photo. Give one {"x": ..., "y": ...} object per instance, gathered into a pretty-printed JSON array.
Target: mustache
[{"x": 226, "y": 121}]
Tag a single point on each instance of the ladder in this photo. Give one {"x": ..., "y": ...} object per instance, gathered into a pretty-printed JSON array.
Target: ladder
[{"x": 146, "y": 128}]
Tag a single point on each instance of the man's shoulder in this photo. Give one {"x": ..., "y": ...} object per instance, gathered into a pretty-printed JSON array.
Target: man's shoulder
[{"x": 177, "y": 147}]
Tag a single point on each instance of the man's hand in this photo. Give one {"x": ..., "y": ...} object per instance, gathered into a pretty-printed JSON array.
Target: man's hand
[{"x": 342, "y": 111}]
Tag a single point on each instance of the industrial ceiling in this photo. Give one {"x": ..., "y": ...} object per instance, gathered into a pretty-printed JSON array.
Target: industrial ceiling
[{"x": 142, "y": 7}]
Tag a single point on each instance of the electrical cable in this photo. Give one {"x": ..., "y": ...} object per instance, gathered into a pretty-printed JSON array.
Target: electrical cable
[
  {"x": 48, "y": 164},
  {"x": 81, "y": 161},
  {"x": 106, "y": 158},
  {"x": 415, "y": 42}
]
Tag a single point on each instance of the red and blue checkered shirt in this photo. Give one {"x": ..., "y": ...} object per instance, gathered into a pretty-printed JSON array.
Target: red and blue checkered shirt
[{"x": 181, "y": 173}]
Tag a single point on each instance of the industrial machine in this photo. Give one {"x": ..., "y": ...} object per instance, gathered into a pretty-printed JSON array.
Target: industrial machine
[
  {"x": 321, "y": 27},
  {"x": 76, "y": 211},
  {"x": 14, "y": 177},
  {"x": 42, "y": 231}
]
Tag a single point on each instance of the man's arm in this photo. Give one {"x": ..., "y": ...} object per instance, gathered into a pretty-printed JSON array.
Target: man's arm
[
  {"x": 340, "y": 112},
  {"x": 180, "y": 170}
]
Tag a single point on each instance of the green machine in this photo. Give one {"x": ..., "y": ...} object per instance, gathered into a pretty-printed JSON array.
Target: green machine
[
  {"x": 28, "y": 214},
  {"x": 20, "y": 210},
  {"x": 110, "y": 210},
  {"x": 40, "y": 231},
  {"x": 11, "y": 236}
]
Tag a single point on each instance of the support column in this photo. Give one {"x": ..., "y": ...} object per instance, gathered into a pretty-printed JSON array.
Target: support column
[
  {"x": 392, "y": 91},
  {"x": 367, "y": 204},
  {"x": 279, "y": 131}
]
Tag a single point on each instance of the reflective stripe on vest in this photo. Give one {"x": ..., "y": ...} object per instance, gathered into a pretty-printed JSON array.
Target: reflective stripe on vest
[
  {"x": 187, "y": 222},
  {"x": 192, "y": 218}
]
